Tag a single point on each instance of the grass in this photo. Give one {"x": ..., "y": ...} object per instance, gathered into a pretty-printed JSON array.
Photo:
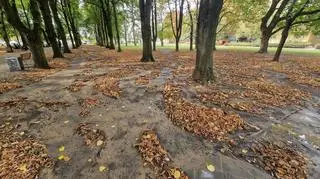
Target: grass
[{"x": 295, "y": 51}]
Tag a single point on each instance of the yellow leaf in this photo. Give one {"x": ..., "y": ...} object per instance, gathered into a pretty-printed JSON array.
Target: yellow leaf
[
  {"x": 176, "y": 174},
  {"x": 102, "y": 168},
  {"x": 61, "y": 149},
  {"x": 23, "y": 168},
  {"x": 244, "y": 151},
  {"x": 66, "y": 122},
  {"x": 211, "y": 168},
  {"x": 61, "y": 157},
  {"x": 99, "y": 142}
]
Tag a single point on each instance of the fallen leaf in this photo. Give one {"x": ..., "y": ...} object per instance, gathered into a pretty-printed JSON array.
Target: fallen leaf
[
  {"x": 176, "y": 174},
  {"x": 99, "y": 142},
  {"x": 244, "y": 151},
  {"x": 102, "y": 168},
  {"x": 211, "y": 168},
  {"x": 66, "y": 122},
  {"x": 23, "y": 168},
  {"x": 61, "y": 157},
  {"x": 66, "y": 158},
  {"x": 61, "y": 149}
]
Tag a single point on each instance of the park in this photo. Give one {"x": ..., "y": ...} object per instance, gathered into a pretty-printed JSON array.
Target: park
[{"x": 177, "y": 89}]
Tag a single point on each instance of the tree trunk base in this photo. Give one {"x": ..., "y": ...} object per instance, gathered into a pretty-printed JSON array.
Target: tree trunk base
[{"x": 147, "y": 59}]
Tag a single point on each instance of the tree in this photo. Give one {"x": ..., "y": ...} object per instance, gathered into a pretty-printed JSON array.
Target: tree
[
  {"x": 65, "y": 15},
  {"x": 69, "y": 18},
  {"x": 61, "y": 33},
  {"x": 109, "y": 24},
  {"x": 191, "y": 25},
  {"x": 208, "y": 15},
  {"x": 145, "y": 11},
  {"x": 299, "y": 12},
  {"x": 33, "y": 34},
  {"x": 177, "y": 24},
  {"x": 154, "y": 22},
  {"x": 52, "y": 36},
  {"x": 116, "y": 23},
  {"x": 269, "y": 22},
  {"x": 4, "y": 32}
]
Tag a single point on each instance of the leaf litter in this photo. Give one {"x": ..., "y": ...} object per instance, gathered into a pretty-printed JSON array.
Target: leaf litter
[{"x": 156, "y": 156}]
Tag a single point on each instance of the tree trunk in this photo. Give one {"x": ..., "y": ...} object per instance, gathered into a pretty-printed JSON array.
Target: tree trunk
[
  {"x": 61, "y": 33},
  {"x": 25, "y": 13},
  {"x": 24, "y": 42},
  {"x": 116, "y": 24},
  {"x": 52, "y": 36},
  {"x": 284, "y": 36},
  {"x": 74, "y": 30},
  {"x": 203, "y": 71},
  {"x": 145, "y": 10},
  {"x": 5, "y": 34},
  {"x": 109, "y": 24},
  {"x": 133, "y": 24},
  {"x": 215, "y": 26},
  {"x": 45, "y": 37},
  {"x": 17, "y": 37},
  {"x": 104, "y": 24},
  {"x": 264, "y": 41},
  {"x": 36, "y": 47},
  {"x": 64, "y": 12},
  {"x": 154, "y": 25},
  {"x": 191, "y": 26}
]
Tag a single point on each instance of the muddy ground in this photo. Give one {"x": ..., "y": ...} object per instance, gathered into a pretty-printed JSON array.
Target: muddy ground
[{"x": 50, "y": 111}]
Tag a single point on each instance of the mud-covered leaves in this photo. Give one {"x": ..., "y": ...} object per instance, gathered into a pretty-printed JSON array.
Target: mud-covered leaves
[
  {"x": 108, "y": 86},
  {"x": 155, "y": 155}
]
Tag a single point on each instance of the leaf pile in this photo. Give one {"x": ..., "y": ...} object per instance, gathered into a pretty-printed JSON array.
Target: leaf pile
[
  {"x": 90, "y": 136},
  {"x": 210, "y": 123},
  {"x": 281, "y": 162},
  {"x": 76, "y": 86},
  {"x": 109, "y": 86},
  {"x": 155, "y": 155},
  {"x": 21, "y": 158},
  {"x": 7, "y": 86},
  {"x": 34, "y": 75}
]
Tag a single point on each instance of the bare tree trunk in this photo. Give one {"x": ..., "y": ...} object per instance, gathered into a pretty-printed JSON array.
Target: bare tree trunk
[
  {"x": 109, "y": 24},
  {"x": 154, "y": 24},
  {"x": 284, "y": 36},
  {"x": 24, "y": 42},
  {"x": 64, "y": 12},
  {"x": 204, "y": 68},
  {"x": 116, "y": 24},
  {"x": 61, "y": 33},
  {"x": 191, "y": 26},
  {"x": 52, "y": 36},
  {"x": 74, "y": 30},
  {"x": 145, "y": 11}
]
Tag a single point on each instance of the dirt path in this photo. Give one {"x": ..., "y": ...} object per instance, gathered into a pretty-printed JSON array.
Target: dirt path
[{"x": 122, "y": 120}]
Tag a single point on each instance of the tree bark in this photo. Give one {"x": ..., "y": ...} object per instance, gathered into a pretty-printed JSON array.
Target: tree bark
[
  {"x": 65, "y": 15},
  {"x": 24, "y": 42},
  {"x": 154, "y": 25},
  {"x": 116, "y": 24},
  {"x": 25, "y": 13},
  {"x": 109, "y": 24},
  {"x": 264, "y": 42},
  {"x": 204, "y": 69},
  {"x": 52, "y": 36},
  {"x": 145, "y": 11},
  {"x": 191, "y": 26},
  {"x": 74, "y": 30},
  {"x": 178, "y": 21},
  {"x": 61, "y": 33},
  {"x": 4, "y": 33}
]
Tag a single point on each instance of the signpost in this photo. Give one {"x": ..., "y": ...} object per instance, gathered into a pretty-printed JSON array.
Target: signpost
[{"x": 15, "y": 64}]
